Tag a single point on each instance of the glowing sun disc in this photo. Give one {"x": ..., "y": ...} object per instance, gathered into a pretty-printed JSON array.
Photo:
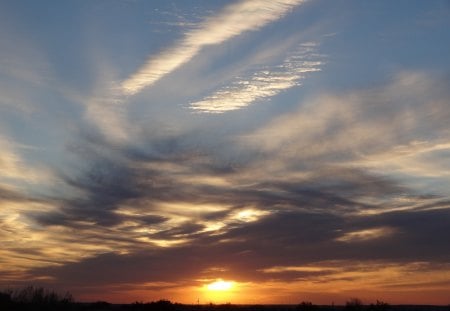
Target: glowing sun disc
[{"x": 220, "y": 285}]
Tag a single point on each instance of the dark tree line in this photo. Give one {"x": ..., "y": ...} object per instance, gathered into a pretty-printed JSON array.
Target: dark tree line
[
  {"x": 39, "y": 299},
  {"x": 34, "y": 298}
]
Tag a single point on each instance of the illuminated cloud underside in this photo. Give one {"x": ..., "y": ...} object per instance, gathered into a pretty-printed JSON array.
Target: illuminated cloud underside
[
  {"x": 13, "y": 167},
  {"x": 365, "y": 235},
  {"x": 377, "y": 276},
  {"x": 262, "y": 84}
]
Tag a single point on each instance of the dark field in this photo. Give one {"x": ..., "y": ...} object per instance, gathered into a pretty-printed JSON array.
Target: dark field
[
  {"x": 157, "y": 306},
  {"x": 39, "y": 299},
  {"x": 164, "y": 306}
]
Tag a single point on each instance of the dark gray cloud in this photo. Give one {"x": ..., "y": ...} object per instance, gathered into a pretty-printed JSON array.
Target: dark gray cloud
[
  {"x": 6, "y": 194},
  {"x": 289, "y": 239},
  {"x": 306, "y": 219}
]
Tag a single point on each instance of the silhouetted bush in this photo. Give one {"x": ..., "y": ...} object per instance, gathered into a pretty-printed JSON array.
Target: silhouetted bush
[
  {"x": 354, "y": 304},
  {"x": 379, "y": 306},
  {"x": 161, "y": 305},
  {"x": 100, "y": 305},
  {"x": 5, "y": 296},
  {"x": 39, "y": 295},
  {"x": 306, "y": 306}
]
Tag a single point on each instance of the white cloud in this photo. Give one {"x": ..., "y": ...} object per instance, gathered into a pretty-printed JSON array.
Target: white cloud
[
  {"x": 399, "y": 130},
  {"x": 361, "y": 124},
  {"x": 107, "y": 107},
  {"x": 15, "y": 168},
  {"x": 281, "y": 269},
  {"x": 234, "y": 19},
  {"x": 108, "y": 113},
  {"x": 420, "y": 158},
  {"x": 366, "y": 234},
  {"x": 264, "y": 83}
]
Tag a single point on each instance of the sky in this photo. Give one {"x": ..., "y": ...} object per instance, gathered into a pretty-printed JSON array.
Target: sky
[{"x": 248, "y": 151}]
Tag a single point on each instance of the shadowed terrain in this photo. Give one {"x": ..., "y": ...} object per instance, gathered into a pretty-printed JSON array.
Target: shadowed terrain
[{"x": 36, "y": 298}]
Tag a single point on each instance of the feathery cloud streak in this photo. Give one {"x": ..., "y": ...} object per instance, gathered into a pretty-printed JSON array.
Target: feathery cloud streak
[
  {"x": 265, "y": 83},
  {"x": 14, "y": 168},
  {"x": 232, "y": 21}
]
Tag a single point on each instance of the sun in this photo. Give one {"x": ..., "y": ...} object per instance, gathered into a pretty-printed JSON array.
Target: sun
[
  {"x": 220, "y": 291},
  {"x": 220, "y": 285}
]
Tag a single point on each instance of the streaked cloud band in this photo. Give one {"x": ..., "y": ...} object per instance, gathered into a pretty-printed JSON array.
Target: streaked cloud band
[
  {"x": 262, "y": 84},
  {"x": 230, "y": 22}
]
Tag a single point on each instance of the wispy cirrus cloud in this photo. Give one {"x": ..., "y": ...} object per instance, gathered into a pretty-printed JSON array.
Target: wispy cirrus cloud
[
  {"x": 233, "y": 20},
  {"x": 262, "y": 84},
  {"x": 378, "y": 275},
  {"x": 13, "y": 167},
  {"x": 366, "y": 234},
  {"x": 107, "y": 108}
]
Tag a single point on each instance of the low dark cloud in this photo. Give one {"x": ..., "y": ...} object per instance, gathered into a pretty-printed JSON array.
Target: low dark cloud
[{"x": 305, "y": 220}]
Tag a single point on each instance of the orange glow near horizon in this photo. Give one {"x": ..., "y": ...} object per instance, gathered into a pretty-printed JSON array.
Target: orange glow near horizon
[
  {"x": 273, "y": 293},
  {"x": 338, "y": 282},
  {"x": 220, "y": 291}
]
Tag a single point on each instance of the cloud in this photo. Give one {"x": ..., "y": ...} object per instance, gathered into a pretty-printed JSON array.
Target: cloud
[
  {"x": 23, "y": 245},
  {"x": 109, "y": 115},
  {"x": 278, "y": 269},
  {"x": 304, "y": 256},
  {"x": 15, "y": 168},
  {"x": 344, "y": 193},
  {"x": 374, "y": 277},
  {"x": 362, "y": 125},
  {"x": 293, "y": 202},
  {"x": 262, "y": 84},
  {"x": 366, "y": 234},
  {"x": 237, "y": 18},
  {"x": 26, "y": 70},
  {"x": 107, "y": 108}
]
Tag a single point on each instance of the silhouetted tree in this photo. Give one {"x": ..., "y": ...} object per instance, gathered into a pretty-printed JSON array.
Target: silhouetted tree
[
  {"x": 34, "y": 298},
  {"x": 5, "y": 300},
  {"x": 379, "y": 306}
]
